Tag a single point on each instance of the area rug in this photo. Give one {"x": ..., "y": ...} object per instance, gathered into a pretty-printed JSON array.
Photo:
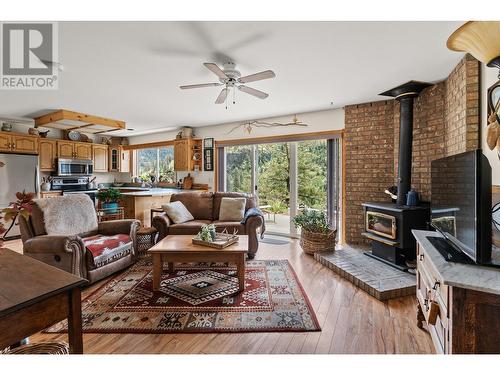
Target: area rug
[{"x": 199, "y": 298}]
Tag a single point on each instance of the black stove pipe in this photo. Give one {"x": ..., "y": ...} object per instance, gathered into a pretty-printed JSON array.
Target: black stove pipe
[
  {"x": 405, "y": 95},
  {"x": 405, "y": 147}
]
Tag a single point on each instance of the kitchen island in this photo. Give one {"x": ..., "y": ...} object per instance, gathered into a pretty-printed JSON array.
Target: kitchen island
[{"x": 137, "y": 202}]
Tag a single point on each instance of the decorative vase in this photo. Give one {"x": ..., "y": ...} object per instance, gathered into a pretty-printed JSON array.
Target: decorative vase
[
  {"x": 6, "y": 127},
  {"x": 111, "y": 208},
  {"x": 46, "y": 186}
]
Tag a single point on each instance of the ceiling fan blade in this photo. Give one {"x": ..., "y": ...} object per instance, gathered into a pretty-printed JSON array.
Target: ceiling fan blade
[
  {"x": 222, "y": 96},
  {"x": 200, "y": 85},
  {"x": 216, "y": 70},
  {"x": 257, "y": 93},
  {"x": 266, "y": 74}
]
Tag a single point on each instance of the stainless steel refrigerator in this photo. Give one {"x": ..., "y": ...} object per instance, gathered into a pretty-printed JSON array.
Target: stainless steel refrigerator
[{"x": 17, "y": 173}]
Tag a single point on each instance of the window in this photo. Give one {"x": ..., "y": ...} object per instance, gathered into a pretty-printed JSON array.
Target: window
[{"x": 157, "y": 162}]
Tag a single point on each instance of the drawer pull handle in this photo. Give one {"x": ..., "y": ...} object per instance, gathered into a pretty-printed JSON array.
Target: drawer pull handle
[
  {"x": 437, "y": 284},
  {"x": 421, "y": 257},
  {"x": 426, "y": 304}
]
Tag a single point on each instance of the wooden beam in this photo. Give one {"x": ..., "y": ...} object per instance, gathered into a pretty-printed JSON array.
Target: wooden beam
[
  {"x": 281, "y": 138},
  {"x": 149, "y": 145},
  {"x": 64, "y": 114}
]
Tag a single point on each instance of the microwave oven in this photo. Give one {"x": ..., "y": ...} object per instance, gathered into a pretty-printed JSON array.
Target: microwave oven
[{"x": 74, "y": 167}]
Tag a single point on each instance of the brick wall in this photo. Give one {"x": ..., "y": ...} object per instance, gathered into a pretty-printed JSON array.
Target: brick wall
[
  {"x": 369, "y": 142},
  {"x": 446, "y": 118}
]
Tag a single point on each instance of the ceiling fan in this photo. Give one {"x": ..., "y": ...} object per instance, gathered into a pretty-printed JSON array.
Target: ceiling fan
[{"x": 230, "y": 78}]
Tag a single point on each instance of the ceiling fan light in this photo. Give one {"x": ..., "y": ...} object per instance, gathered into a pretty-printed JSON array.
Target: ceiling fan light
[{"x": 479, "y": 38}]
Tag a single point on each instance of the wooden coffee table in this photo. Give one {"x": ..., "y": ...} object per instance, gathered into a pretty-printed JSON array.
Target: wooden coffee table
[{"x": 179, "y": 248}]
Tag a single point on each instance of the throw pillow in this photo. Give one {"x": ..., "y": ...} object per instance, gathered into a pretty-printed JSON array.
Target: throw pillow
[
  {"x": 232, "y": 209},
  {"x": 177, "y": 212}
]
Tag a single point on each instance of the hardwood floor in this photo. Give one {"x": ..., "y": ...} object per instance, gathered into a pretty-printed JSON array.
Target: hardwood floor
[{"x": 351, "y": 321}]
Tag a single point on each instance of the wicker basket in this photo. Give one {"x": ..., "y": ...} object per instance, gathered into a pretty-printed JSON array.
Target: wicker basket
[
  {"x": 312, "y": 242},
  {"x": 41, "y": 348}
]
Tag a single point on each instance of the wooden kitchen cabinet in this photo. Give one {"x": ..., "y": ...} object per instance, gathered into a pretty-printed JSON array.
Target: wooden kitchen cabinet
[
  {"x": 26, "y": 144},
  {"x": 100, "y": 158},
  {"x": 119, "y": 159},
  {"x": 74, "y": 150},
  {"x": 83, "y": 150},
  {"x": 5, "y": 141},
  {"x": 48, "y": 154},
  {"x": 184, "y": 154},
  {"x": 65, "y": 149},
  {"x": 19, "y": 143}
]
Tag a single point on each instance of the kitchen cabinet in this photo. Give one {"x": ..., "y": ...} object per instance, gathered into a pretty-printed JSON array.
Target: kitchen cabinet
[
  {"x": 5, "y": 141},
  {"x": 48, "y": 154},
  {"x": 19, "y": 143},
  {"x": 119, "y": 159},
  {"x": 187, "y": 154},
  {"x": 76, "y": 150},
  {"x": 83, "y": 150},
  {"x": 26, "y": 144},
  {"x": 65, "y": 149},
  {"x": 100, "y": 158}
]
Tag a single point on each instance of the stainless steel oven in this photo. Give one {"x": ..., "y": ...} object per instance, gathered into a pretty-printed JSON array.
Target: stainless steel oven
[
  {"x": 74, "y": 167},
  {"x": 73, "y": 185}
]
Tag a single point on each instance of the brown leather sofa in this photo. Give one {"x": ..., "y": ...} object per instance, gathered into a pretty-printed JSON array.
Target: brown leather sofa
[
  {"x": 93, "y": 255},
  {"x": 205, "y": 206}
]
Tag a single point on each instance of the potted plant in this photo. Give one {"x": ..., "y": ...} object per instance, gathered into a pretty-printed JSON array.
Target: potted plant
[
  {"x": 22, "y": 206},
  {"x": 109, "y": 199},
  {"x": 317, "y": 233}
]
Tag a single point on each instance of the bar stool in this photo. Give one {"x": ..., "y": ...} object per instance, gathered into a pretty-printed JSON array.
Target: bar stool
[{"x": 146, "y": 238}]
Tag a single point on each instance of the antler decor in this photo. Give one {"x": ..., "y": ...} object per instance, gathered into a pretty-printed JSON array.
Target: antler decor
[
  {"x": 493, "y": 130},
  {"x": 248, "y": 126}
]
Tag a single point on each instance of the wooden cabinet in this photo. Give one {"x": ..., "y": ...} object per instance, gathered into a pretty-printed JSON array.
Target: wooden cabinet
[
  {"x": 48, "y": 155},
  {"x": 5, "y": 141},
  {"x": 119, "y": 159},
  {"x": 20, "y": 143},
  {"x": 83, "y": 150},
  {"x": 100, "y": 158},
  {"x": 65, "y": 149},
  {"x": 459, "y": 303},
  {"x": 76, "y": 150},
  {"x": 187, "y": 154},
  {"x": 27, "y": 144}
]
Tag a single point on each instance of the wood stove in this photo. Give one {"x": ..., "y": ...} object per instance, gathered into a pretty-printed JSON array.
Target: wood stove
[{"x": 389, "y": 225}]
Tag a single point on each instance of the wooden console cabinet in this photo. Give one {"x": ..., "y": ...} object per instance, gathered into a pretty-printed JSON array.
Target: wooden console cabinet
[{"x": 459, "y": 303}]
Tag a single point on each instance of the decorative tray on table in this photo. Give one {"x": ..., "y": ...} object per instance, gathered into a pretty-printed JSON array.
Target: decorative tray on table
[{"x": 221, "y": 240}]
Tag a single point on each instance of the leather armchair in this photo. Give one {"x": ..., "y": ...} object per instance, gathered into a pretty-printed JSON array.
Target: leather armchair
[{"x": 72, "y": 253}]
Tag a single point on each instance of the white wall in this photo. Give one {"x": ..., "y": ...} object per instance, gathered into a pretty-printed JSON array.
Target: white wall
[
  {"x": 317, "y": 121},
  {"x": 488, "y": 77}
]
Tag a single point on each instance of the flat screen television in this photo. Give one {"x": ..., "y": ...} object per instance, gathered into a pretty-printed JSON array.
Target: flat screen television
[{"x": 461, "y": 204}]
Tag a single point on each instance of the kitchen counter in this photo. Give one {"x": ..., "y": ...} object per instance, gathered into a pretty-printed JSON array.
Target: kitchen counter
[{"x": 152, "y": 192}]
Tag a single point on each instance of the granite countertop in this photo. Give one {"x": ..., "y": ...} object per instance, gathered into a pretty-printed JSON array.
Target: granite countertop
[
  {"x": 153, "y": 192},
  {"x": 480, "y": 278}
]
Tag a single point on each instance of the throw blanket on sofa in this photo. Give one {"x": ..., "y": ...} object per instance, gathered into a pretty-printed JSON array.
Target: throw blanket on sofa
[
  {"x": 254, "y": 211},
  {"x": 68, "y": 215}
]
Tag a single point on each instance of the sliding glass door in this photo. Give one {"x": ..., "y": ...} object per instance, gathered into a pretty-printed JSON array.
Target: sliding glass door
[{"x": 288, "y": 178}]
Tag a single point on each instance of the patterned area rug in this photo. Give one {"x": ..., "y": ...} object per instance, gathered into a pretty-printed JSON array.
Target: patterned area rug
[{"x": 199, "y": 298}]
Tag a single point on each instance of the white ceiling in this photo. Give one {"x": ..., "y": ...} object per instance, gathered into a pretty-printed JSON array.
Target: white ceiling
[{"x": 131, "y": 71}]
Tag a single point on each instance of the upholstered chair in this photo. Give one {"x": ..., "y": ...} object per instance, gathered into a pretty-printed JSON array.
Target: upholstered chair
[{"x": 64, "y": 232}]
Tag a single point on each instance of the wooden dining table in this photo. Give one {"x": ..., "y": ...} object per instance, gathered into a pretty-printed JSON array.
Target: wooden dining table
[{"x": 34, "y": 296}]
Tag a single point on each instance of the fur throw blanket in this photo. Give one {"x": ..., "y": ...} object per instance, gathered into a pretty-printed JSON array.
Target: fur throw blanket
[{"x": 68, "y": 215}]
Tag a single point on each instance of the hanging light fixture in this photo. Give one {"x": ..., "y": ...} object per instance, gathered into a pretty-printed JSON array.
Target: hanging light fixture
[
  {"x": 479, "y": 38},
  {"x": 482, "y": 40}
]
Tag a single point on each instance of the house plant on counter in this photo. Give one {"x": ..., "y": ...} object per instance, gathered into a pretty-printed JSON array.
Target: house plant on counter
[
  {"x": 109, "y": 199},
  {"x": 317, "y": 233}
]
